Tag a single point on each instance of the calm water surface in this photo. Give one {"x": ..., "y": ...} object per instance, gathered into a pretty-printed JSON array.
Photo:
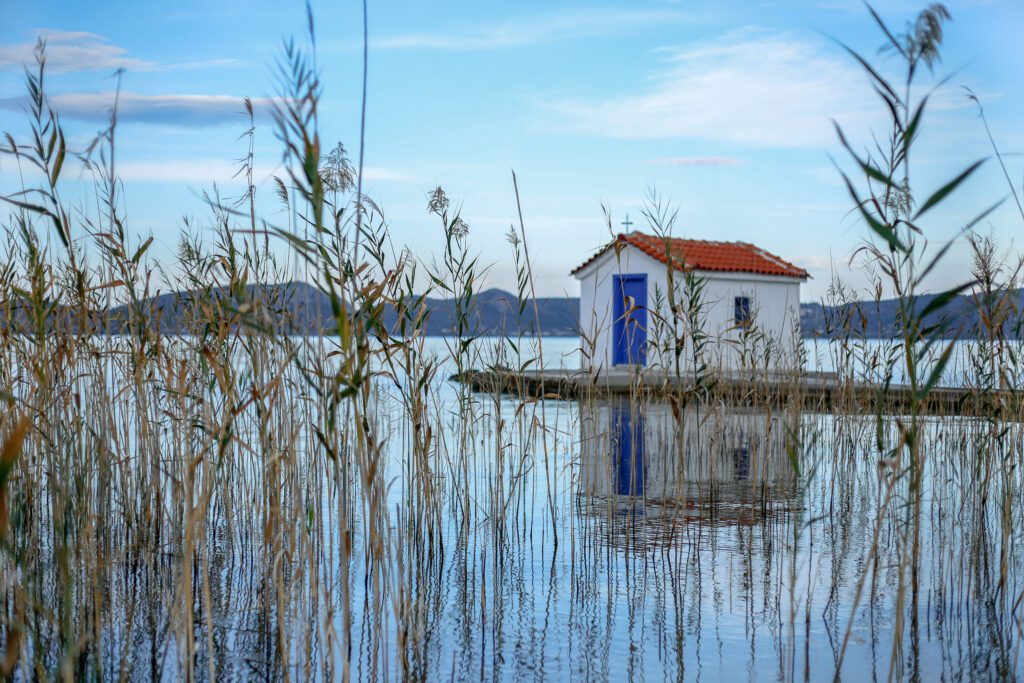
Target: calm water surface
[
  {"x": 605, "y": 540},
  {"x": 732, "y": 566}
]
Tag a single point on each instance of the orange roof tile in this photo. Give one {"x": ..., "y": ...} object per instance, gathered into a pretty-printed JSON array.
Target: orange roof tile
[{"x": 735, "y": 257}]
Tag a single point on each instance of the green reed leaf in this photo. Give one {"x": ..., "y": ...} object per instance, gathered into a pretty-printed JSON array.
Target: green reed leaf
[{"x": 947, "y": 189}]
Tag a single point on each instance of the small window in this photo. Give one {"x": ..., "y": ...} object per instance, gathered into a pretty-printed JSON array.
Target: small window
[
  {"x": 741, "y": 464},
  {"x": 743, "y": 311}
]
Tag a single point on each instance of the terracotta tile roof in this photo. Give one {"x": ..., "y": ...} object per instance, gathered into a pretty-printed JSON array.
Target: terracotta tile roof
[{"x": 735, "y": 257}]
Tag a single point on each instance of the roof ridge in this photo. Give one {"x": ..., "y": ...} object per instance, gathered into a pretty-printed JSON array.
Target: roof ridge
[{"x": 709, "y": 255}]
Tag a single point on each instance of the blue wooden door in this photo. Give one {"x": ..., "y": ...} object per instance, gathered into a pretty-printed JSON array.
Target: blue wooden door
[
  {"x": 629, "y": 329},
  {"x": 629, "y": 452}
]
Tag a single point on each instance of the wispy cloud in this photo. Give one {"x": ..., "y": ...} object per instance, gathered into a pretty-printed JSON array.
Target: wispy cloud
[
  {"x": 821, "y": 262},
  {"x": 892, "y": 6},
  {"x": 386, "y": 175},
  {"x": 176, "y": 110},
  {"x": 200, "y": 172},
  {"x": 203, "y": 171},
  {"x": 68, "y": 51},
  {"x": 526, "y": 31},
  {"x": 191, "y": 171},
  {"x": 71, "y": 51},
  {"x": 749, "y": 88},
  {"x": 695, "y": 161}
]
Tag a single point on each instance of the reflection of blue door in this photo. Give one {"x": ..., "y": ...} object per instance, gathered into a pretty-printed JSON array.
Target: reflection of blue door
[
  {"x": 629, "y": 330},
  {"x": 629, "y": 452}
]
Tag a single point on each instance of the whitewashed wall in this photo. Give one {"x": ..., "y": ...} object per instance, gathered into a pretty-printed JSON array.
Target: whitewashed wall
[{"x": 775, "y": 305}]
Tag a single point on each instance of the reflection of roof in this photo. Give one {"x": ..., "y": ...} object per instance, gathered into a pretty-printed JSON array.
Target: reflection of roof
[{"x": 735, "y": 257}]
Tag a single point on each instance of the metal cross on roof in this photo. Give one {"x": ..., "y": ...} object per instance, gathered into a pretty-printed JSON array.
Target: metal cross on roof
[{"x": 626, "y": 223}]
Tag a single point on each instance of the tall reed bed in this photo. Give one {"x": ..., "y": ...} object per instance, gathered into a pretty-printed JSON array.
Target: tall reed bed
[{"x": 240, "y": 502}]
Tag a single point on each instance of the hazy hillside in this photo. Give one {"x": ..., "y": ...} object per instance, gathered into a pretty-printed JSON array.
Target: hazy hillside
[
  {"x": 879, "y": 320},
  {"x": 300, "y": 308}
]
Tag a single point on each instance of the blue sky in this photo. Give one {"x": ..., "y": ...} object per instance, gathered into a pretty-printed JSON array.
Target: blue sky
[{"x": 723, "y": 108}]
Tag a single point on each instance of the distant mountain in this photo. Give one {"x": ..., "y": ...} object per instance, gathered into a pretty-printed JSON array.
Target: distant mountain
[
  {"x": 300, "y": 308},
  {"x": 880, "y": 320},
  {"x": 497, "y": 312}
]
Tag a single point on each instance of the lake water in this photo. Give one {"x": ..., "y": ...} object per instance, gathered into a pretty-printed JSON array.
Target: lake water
[
  {"x": 588, "y": 540},
  {"x": 732, "y": 566}
]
